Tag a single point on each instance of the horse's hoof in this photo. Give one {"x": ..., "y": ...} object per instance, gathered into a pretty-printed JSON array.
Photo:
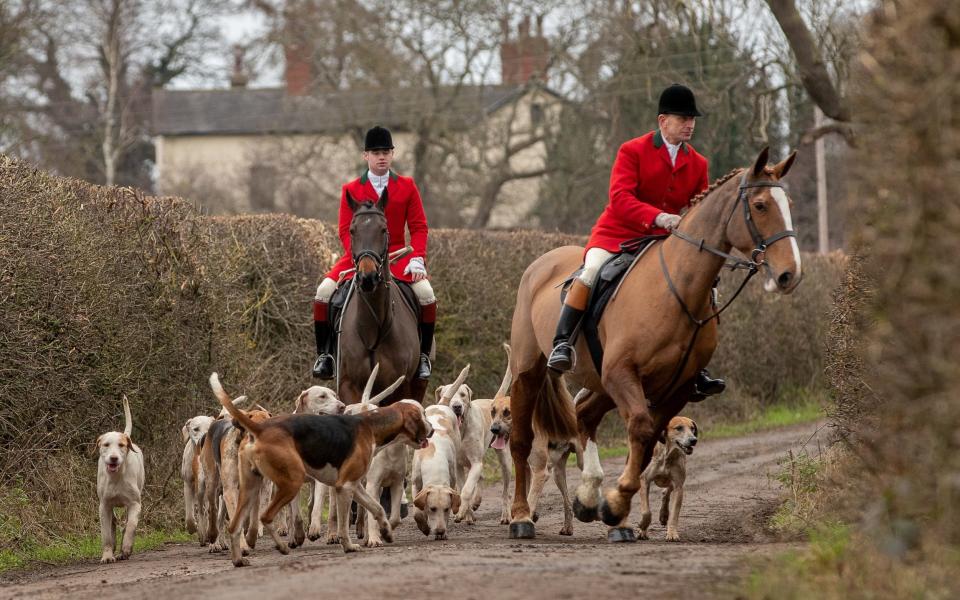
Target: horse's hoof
[
  {"x": 522, "y": 530},
  {"x": 621, "y": 534},
  {"x": 583, "y": 513},
  {"x": 607, "y": 515}
]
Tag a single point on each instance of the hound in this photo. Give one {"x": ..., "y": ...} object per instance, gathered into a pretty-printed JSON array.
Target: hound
[
  {"x": 475, "y": 418},
  {"x": 219, "y": 480},
  {"x": 387, "y": 468},
  {"x": 120, "y": 477},
  {"x": 193, "y": 431},
  {"x": 546, "y": 456},
  {"x": 335, "y": 450},
  {"x": 668, "y": 470},
  {"x": 316, "y": 400},
  {"x": 435, "y": 474}
]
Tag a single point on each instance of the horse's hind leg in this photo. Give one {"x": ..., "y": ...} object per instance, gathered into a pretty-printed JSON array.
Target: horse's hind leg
[
  {"x": 590, "y": 412},
  {"x": 523, "y": 395}
]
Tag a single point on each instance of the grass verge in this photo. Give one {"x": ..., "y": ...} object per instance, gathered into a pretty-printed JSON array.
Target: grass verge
[{"x": 81, "y": 547}]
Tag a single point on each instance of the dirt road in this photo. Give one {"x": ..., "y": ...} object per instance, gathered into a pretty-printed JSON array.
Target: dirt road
[{"x": 728, "y": 497}]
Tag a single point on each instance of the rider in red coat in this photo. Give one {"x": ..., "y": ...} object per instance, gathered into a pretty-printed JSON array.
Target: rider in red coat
[
  {"x": 653, "y": 179},
  {"x": 404, "y": 211}
]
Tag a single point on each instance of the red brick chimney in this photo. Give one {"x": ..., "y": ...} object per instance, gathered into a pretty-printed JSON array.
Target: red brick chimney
[
  {"x": 297, "y": 47},
  {"x": 524, "y": 57},
  {"x": 298, "y": 71}
]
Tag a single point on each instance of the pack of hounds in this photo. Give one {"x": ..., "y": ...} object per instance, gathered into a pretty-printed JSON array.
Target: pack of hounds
[{"x": 243, "y": 470}]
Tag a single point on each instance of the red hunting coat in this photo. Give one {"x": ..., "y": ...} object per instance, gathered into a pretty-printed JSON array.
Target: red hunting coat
[
  {"x": 644, "y": 184},
  {"x": 404, "y": 210}
]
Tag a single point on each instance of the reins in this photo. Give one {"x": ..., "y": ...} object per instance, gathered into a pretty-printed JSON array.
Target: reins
[{"x": 752, "y": 266}]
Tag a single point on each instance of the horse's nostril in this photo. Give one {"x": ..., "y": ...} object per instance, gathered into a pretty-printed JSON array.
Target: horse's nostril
[{"x": 785, "y": 278}]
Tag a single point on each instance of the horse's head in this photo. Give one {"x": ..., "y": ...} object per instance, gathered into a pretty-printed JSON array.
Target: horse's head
[
  {"x": 760, "y": 224},
  {"x": 368, "y": 241}
]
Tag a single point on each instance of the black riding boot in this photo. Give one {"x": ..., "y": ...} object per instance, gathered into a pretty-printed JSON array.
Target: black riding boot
[
  {"x": 707, "y": 386},
  {"x": 571, "y": 315},
  {"x": 561, "y": 358},
  {"x": 426, "y": 343},
  {"x": 325, "y": 366}
]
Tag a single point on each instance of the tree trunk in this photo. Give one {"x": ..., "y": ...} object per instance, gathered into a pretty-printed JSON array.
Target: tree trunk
[{"x": 813, "y": 71}]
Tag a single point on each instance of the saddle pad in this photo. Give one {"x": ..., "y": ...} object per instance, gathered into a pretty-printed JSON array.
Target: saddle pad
[{"x": 611, "y": 274}]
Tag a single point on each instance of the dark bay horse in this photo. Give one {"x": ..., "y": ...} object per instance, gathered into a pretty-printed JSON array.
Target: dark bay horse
[
  {"x": 657, "y": 333},
  {"x": 378, "y": 326}
]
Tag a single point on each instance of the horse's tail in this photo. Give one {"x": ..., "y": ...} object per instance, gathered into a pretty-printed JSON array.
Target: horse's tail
[
  {"x": 554, "y": 413},
  {"x": 246, "y": 422}
]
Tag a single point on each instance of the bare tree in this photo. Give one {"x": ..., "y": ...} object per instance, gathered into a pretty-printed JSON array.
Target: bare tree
[{"x": 84, "y": 101}]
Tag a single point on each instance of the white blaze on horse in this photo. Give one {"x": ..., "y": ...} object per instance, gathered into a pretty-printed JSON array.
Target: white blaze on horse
[{"x": 657, "y": 331}]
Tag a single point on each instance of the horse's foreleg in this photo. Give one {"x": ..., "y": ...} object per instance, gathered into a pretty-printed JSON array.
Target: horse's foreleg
[
  {"x": 626, "y": 391},
  {"x": 590, "y": 412}
]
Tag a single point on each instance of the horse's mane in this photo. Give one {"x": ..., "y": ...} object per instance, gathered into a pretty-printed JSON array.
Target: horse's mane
[{"x": 696, "y": 200}]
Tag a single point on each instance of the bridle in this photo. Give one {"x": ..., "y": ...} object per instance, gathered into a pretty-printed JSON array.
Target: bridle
[
  {"x": 758, "y": 254},
  {"x": 378, "y": 258},
  {"x": 752, "y": 265}
]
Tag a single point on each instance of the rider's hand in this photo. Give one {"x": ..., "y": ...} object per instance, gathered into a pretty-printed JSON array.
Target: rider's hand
[
  {"x": 416, "y": 269},
  {"x": 667, "y": 221}
]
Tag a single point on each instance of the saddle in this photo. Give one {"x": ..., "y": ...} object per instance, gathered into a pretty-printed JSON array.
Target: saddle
[
  {"x": 339, "y": 301},
  {"x": 611, "y": 274}
]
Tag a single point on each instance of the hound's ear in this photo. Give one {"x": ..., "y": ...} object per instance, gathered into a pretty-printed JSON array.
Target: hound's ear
[
  {"x": 382, "y": 202},
  {"x": 184, "y": 432},
  {"x": 129, "y": 443},
  {"x": 696, "y": 430},
  {"x": 421, "y": 499},
  {"x": 761, "y": 162},
  {"x": 299, "y": 406},
  {"x": 663, "y": 436},
  {"x": 436, "y": 394},
  {"x": 469, "y": 392},
  {"x": 96, "y": 444},
  {"x": 454, "y": 500},
  {"x": 350, "y": 201},
  {"x": 780, "y": 169}
]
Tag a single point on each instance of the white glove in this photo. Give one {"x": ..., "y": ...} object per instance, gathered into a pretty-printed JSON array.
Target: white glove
[
  {"x": 416, "y": 268},
  {"x": 667, "y": 221}
]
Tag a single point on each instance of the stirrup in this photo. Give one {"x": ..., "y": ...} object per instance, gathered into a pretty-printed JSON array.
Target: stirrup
[
  {"x": 563, "y": 357},
  {"x": 425, "y": 368}
]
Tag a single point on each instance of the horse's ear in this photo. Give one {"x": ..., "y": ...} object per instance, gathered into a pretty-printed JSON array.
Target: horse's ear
[
  {"x": 382, "y": 202},
  {"x": 761, "y": 161},
  {"x": 351, "y": 202},
  {"x": 780, "y": 169}
]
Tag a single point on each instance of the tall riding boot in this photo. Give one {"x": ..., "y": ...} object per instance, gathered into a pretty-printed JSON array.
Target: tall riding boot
[
  {"x": 325, "y": 366},
  {"x": 562, "y": 358},
  {"x": 428, "y": 319}
]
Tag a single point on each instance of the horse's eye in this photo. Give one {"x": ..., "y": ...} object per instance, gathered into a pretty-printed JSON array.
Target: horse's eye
[{"x": 760, "y": 206}]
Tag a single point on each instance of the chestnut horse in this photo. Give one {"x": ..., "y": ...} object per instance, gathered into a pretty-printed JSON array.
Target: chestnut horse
[
  {"x": 378, "y": 325},
  {"x": 657, "y": 332}
]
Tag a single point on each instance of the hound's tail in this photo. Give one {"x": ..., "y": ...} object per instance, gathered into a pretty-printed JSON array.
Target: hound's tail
[
  {"x": 453, "y": 387},
  {"x": 235, "y": 412},
  {"x": 127, "y": 419},
  {"x": 368, "y": 389},
  {"x": 507, "y": 376}
]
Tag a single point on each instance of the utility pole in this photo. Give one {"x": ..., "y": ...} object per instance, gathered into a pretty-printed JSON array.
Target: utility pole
[{"x": 823, "y": 231}]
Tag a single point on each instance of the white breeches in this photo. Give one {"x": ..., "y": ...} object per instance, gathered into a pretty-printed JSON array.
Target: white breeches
[
  {"x": 422, "y": 289},
  {"x": 591, "y": 265}
]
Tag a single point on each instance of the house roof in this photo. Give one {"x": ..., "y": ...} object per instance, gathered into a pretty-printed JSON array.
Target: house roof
[{"x": 264, "y": 111}]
